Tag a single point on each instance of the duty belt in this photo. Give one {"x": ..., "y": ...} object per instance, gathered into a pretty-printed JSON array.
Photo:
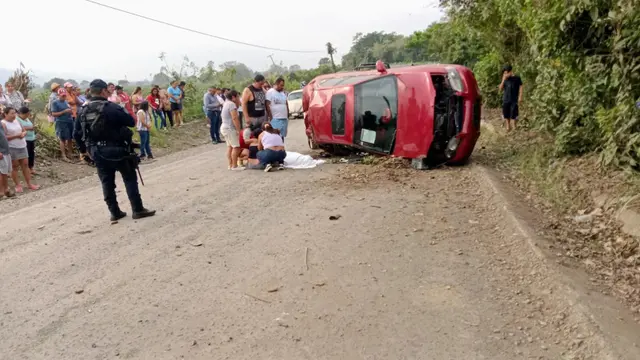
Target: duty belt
[{"x": 109, "y": 144}]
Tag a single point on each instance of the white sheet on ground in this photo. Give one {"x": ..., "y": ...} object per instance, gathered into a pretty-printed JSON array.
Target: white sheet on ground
[{"x": 296, "y": 160}]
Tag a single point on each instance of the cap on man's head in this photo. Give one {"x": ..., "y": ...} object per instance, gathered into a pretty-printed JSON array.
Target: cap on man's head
[
  {"x": 98, "y": 84},
  {"x": 68, "y": 85},
  {"x": 54, "y": 86},
  {"x": 259, "y": 78},
  {"x": 182, "y": 83}
]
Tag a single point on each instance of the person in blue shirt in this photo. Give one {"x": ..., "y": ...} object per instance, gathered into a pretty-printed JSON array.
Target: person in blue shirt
[
  {"x": 63, "y": 119},
  {"x": 175, "y": 97}
]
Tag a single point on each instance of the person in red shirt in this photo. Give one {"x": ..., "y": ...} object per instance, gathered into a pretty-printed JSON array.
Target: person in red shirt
[
  {"x": 249, "y": 145},
  {"x": 154, "y": 101}
]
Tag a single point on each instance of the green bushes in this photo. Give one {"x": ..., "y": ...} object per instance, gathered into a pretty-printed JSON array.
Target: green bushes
[{"x": 579, "y": 60}]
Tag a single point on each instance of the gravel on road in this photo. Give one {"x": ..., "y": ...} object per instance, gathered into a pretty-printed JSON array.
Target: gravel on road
[{"x": 250, "y": 265}]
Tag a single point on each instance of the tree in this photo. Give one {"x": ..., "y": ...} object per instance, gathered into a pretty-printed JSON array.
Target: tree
[
  {"x": 377, "y": 45},
  {"x": 161, "y": 79},
  {"x": 324, "y": 61},
  {"x": 84, "y": 83},
  {"x": 242, "y": 71},
  {"x": 123, "y": 83},
  {"x": 293, "y": 68},
  {"x": 448, "y": 42},
  {"x": 22, "y": 80},
  {"x": 330, "y": 51},
  {"x": 57, "y": 80}
]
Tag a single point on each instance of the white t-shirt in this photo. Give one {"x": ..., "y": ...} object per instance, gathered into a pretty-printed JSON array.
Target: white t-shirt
[
  {"x": 278, "y": 103},
  {"x": 144, "y": 116},
  {"x": 227, "y": 118}
]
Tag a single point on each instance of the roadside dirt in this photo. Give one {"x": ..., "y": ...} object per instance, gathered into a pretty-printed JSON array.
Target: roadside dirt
[
  {"x": 338, "y": 262},
  {"x": 578, "y": 211}
]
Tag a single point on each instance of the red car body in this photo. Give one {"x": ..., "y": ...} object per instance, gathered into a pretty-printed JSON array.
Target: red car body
[{"x": 430, "y": 113}]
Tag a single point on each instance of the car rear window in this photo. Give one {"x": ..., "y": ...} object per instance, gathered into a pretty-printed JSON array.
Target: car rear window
[{"x": 338, "y": 107}]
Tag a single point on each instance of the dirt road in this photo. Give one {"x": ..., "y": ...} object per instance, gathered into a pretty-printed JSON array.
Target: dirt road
[{"x": 248, "y": 265}]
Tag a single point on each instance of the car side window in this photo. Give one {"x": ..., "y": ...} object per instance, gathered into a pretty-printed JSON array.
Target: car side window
[{"x": 338, "y": 106}]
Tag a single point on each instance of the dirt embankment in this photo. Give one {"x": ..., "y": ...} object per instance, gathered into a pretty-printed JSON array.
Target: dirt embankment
[{"x": 590, "y": 214}]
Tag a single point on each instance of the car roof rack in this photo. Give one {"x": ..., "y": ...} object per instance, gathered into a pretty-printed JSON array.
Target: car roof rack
[{"x": 370, "y": 66}]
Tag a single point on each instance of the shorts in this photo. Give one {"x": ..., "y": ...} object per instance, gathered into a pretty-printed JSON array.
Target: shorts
[
  {"x": 231, "y": 136},
  {"x": 18, "y": 153},
  {"x": 5, "y": 165},
  {"x": 64, "y": 130},
  {"x": 282, "y": 125},
  {"x": 176, "y": 106},
  {"x": 253, "y": 152},
  {"x": 510, "y": 111}
]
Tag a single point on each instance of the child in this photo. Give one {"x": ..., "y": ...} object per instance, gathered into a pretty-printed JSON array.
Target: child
[
  {"x": 143, "y": 125},
  {"x": 23, "y": 117},
  {"x": 5, "y": 166}
]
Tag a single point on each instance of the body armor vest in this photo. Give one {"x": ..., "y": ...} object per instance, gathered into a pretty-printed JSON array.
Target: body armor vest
[{"x": 92, "y": 122}]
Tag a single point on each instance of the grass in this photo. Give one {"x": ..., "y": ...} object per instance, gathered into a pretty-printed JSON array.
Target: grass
[
  {"x": 568, "y": 184},
  {"x": 48, "y": 144},
  {"x": 529, "y": 160}
]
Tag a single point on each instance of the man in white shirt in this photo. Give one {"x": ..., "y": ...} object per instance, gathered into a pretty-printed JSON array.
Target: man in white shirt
[{"x": 277, "y": 103}]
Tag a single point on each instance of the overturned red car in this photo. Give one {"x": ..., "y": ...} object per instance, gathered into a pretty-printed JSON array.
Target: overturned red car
[{"x": 428, "y": 113}]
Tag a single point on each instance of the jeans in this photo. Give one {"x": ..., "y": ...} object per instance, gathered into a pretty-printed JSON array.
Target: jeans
[
  {"x": 108, "y": 160},
  {"x": 168, "y": 115},
  {"x": 214, "y": 117},
  {"x": 159, "y": 114},
  {"x": 282, "y": 125},
  {"x": 145, "y": 144},
  {"x": 269, "y": 156},
  {"x": 31, "y": 149}
]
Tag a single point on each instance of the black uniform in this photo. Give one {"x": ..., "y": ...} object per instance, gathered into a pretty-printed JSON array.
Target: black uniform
[
  {"x": 510, "y": 97},
  {"x": 104, "y": 130}
]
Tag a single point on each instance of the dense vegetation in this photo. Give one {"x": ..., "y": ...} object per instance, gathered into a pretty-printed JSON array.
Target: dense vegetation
[{"x": 579, "y": 60}]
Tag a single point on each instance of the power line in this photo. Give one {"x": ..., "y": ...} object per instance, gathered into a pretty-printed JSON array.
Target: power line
[{"x": 200, "y": 32}]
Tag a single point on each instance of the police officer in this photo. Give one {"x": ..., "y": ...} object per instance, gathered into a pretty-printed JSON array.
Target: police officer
[{"x": 104, "y": 129}]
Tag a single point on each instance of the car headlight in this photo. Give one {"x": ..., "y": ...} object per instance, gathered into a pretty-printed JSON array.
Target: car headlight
[{"x": 454, "y": 79}]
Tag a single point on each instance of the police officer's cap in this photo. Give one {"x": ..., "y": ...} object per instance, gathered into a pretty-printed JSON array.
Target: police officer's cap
[{"x": 98, "y": 84}]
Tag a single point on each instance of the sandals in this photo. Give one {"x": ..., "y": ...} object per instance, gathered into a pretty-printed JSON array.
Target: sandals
[{"x": 31, "y": 187}]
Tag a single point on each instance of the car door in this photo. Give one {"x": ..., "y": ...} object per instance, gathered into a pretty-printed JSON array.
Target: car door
[{"x": 376, "y": 111}]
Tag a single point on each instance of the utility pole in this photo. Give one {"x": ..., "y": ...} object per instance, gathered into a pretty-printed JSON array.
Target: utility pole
[{"x": 271, "y": 57}]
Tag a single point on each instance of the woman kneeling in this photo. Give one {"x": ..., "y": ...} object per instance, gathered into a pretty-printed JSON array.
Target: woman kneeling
[{"x": 271, "y": 149}]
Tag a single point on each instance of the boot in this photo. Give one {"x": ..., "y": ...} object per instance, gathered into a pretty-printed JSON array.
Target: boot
[
  {"x": 117, "y": 215},
  {"x": 144, "y": 213}
]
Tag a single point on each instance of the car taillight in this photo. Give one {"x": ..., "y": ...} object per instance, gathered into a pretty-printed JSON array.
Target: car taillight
[{"x": 454, "y": 79}]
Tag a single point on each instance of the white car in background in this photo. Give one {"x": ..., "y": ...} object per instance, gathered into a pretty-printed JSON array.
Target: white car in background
[{"x": 294, "y": 99}]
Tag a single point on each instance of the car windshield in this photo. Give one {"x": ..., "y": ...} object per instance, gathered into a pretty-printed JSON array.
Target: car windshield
[{"x": 295, "y": 95}]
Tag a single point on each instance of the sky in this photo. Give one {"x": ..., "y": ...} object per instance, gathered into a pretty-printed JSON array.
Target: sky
[{"x": 78, "y": 39}]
